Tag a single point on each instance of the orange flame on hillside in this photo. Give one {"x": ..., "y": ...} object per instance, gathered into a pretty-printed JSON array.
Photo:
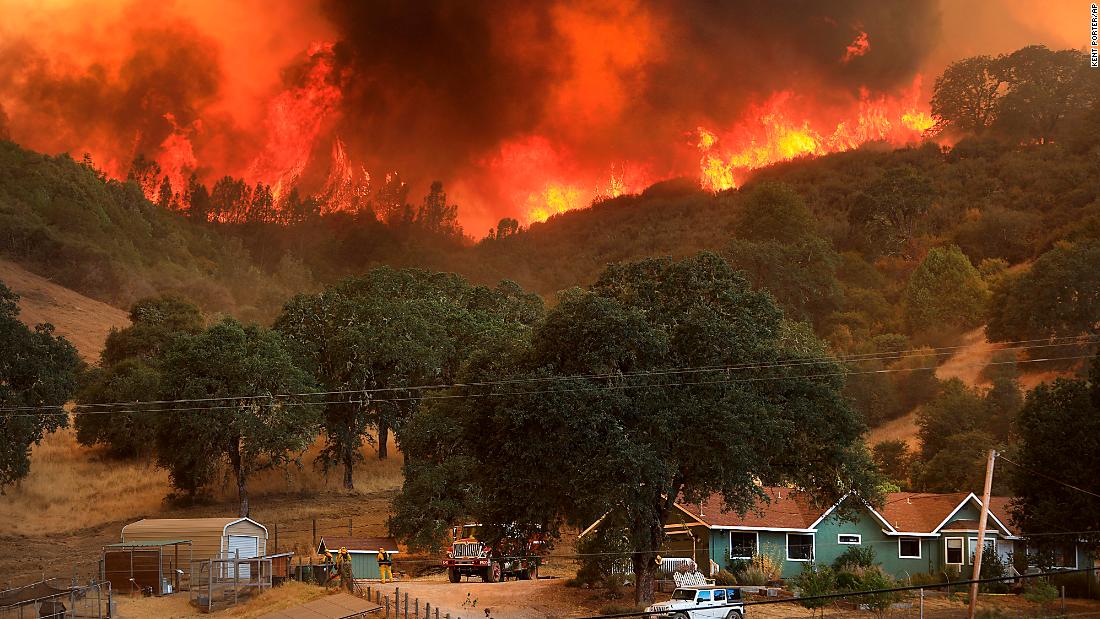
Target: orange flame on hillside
[{"x": 779, "y": 130}]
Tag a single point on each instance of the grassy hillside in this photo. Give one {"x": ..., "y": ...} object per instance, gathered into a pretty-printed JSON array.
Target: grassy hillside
[
  {"x": 64, "y": 220},
  {"x": 83, "y": 321}
]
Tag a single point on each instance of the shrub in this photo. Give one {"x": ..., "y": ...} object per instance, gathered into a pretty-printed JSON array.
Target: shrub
[
  {"x": 725, "y": 578},
  {"x": 855, "y": 556},
  {"x": 813, "y": 581},
  {"x": 878, "y": 603},
  {"x": 752, "y": 576},
  {"x": 1040, "y": 591}
]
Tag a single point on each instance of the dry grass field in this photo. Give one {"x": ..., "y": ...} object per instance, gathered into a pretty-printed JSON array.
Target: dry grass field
[
  {"x": 177, "y": 606},
  {"x": 83, "y": 321}
]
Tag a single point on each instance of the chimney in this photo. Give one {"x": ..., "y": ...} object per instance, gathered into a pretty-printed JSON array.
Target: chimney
[{"x": 700, "y": 509}]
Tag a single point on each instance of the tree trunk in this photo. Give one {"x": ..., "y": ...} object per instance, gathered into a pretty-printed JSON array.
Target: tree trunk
[
  {"x": 383, "y": 438},
  {"x": 645, "y": 563},
  {"x": 238, "y": 469},
  {"x": 349, "y": 466}
]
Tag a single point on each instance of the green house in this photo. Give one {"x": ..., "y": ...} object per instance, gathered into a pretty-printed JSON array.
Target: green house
[
  {"x": 363, "y": 551},
  {"x": 910, "y": 533}
]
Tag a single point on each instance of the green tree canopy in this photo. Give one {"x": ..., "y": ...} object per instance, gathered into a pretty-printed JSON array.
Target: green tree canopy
[
  {"x": 37, "y": 370},
  {"x": 600, "y": 421},
  {"x": 801, "y": 276},
  {"x": 774, "y": 212},
  {"x": 1058, "y": 297},
  {"x": 393, "y": 330},
  {"x": 1044, "y": 87},
  {"x": 1053, "y": 411},
  {"x": 945, "y": 291},
  {"x": 129, "y": 371},
  {"x": 966, "y": 96},
  {"x": 955, "y": 409},
  {"x": 886, "y": 216},
  {"x": 248, "y": 419}
]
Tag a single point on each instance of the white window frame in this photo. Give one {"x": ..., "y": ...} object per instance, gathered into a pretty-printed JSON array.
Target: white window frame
[
  {"x": 756, "y": 545},
  {"x": 920, "y": 548},
  {"x": 858, "y": 542},
  {"x": 962, "y": 550},
  {"x": 813, "y": 547}
]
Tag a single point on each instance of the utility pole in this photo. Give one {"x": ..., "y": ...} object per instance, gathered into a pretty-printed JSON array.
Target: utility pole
[{"x": 981, "y": 533}]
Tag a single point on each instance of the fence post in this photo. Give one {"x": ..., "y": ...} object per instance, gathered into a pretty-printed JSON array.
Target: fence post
[
  {"x": 1063, "y": 599},
  {"x": 387, "y": 600},
  {"x": 406, "y": 605},
  {"x": 922, "y": 604},
  {"x": 416, "y": 609},
  {"x": 436, "y": 612},
  {"x": 427, "y": 610}
]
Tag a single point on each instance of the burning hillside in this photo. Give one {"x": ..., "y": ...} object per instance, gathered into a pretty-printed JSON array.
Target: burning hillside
[{"x": 522, "y": 110}]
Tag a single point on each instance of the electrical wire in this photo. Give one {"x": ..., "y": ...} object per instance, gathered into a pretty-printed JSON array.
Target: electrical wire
[
  {"x": 590, "y": 388},
  {"x": 802, "y": 361}
]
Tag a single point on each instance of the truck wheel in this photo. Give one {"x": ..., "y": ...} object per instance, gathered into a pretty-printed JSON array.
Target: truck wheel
[
  {"x": 453, "y": 575},
  {"x": 734, "y": 614},
  {"x": 491, "y": 573}
]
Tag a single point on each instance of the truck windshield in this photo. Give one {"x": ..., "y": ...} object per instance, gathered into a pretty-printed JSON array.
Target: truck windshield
[{"x": 683, "y": 594}]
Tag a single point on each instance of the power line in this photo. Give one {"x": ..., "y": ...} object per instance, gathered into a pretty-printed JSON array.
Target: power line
[
  {"x": 802, "y": 361},
  {"x": 590, "y": 388},
  {"x": 1053, "y": 479},
  {"x": 53, "y": 410}
]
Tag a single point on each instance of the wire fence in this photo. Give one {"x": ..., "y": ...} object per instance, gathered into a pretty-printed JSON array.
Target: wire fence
[{"x": 56, "y": 599}]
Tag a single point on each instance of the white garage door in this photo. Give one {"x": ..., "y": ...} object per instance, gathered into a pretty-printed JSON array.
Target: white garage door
[{"x": 245, "y": 547}]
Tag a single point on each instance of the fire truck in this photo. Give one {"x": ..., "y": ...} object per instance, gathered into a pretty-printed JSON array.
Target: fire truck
[{"x": 511, "y": 557}]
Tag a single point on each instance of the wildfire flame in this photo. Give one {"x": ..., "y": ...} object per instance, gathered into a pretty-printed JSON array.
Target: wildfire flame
[
  {"x": 779, "y": 131},
  {"x": 860, "y": 46},
  {"x": 294, "y": 121}
]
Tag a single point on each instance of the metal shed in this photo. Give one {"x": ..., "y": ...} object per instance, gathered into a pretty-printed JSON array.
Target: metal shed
[{"x": 211, "y": 538}]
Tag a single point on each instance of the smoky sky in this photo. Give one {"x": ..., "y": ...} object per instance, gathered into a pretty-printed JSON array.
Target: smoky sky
[
  {"x": 435, "y": 85},
  {"x": 166, "y": 79}
]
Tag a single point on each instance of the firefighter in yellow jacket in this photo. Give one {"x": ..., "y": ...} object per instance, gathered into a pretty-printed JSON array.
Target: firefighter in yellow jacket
[
  {"x": 385, "y": 565},
  {"x": 341, "y": 568}
]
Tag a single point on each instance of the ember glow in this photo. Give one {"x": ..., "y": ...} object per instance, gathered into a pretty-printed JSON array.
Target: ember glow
[{"x": 523, "y": 110}]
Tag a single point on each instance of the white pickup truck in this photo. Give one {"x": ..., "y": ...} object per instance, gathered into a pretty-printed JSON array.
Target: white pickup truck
[{"x": 701, "y": 603}]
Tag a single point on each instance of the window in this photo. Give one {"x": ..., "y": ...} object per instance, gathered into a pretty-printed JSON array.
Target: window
[
  {"x": 704, "y": 596},
  {"x": 954, "y": 554},
  {"x": 848, "y": 538},
  {"x": 908, "y": 548},
  {"x": 800, "y": 547},
  {"x": 719, "y": 595},
  {"x": 742, "y": 545}
]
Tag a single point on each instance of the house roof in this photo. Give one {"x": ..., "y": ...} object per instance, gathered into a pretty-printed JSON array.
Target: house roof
[
  {"x": 903, "y": 512},
  {"x": 1000, "y": 506},
  {"x": 919, "y": 512},
  {"x": 356, "y": 544},
  {"x": 785, "y": 509}
]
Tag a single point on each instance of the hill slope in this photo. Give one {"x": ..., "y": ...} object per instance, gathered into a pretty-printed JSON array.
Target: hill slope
[{"x": 83, "y": 321}]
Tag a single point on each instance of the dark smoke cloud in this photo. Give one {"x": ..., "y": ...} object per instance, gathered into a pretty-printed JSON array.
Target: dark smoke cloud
[
  {"x": 434, "y": 82},
  {"x": 436, "y": 85}
]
